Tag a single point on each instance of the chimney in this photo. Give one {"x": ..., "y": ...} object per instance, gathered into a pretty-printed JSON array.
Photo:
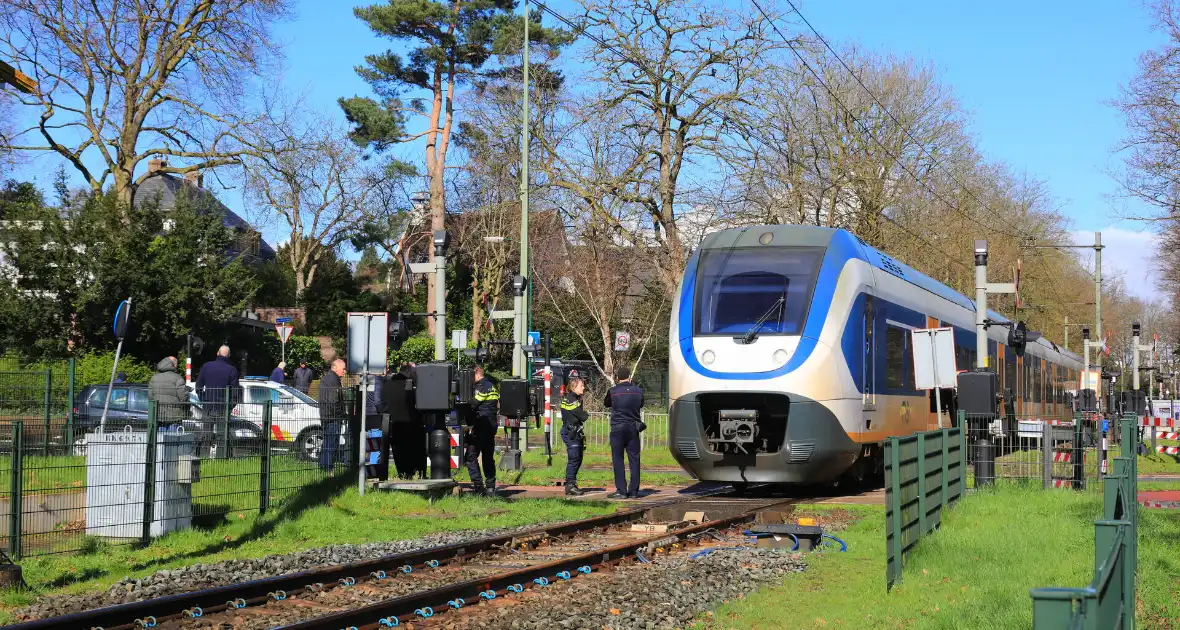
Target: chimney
[
  {"x": 194, "y": 178},
  {"x": 155, "y": 164}
]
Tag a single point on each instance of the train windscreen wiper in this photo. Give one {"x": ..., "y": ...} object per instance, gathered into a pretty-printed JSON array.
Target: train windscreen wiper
[{"x": 749, "y": 337}]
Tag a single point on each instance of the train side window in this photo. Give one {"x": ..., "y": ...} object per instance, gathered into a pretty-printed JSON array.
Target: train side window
[
  {"x": 1010, "y": 370},
  {"x": 1038, "y": 383},
  {"x": 895, "y": 358},
  {"x": 1028, "y": 379}
]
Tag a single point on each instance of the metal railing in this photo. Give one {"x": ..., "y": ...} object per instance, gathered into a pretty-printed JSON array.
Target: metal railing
[
  {"x": 1059, "y": 451},
  {"x": 597, "y": 431},
  {"x": 1109, "y": 600},
  {"x": 67, "y": 484},
  {"x": 924, "y": 474}
]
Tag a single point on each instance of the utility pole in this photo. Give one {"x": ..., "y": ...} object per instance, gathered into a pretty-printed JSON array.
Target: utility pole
[
  {"x": 982, "y": 288},
  {"x": 1097, "y": 247},
  {"x": 523, "y": 295}
]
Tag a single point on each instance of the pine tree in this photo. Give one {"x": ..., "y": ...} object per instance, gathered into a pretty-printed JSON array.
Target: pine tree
[{"x": 450, "y": 44}]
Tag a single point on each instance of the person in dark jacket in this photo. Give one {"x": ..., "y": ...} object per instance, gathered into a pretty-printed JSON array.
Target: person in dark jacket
[
  {"x": 279, "y": 374},
  {"x": 407, "y": 433},
  {"x": 167, "y": 389},
  {"x": 573, "y": 431},
  {"x": 332, "y": 414},
  {"x": 303, "y": 377},
  {"x": 481, "y": 435},
  {"x": 625, "y": 401},
  {"x": 121, "y": 377},
  {"x": 219, "y": 389}
]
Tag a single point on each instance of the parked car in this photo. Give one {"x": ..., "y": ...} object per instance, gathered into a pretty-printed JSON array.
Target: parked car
[
  {"x": 295, "y": 416},
  {"x": 129, "y": 408}
]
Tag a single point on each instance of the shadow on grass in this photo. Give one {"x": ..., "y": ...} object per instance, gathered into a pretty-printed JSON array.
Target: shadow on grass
[
  {"x": 308, "y": 497},
  {"x": 78, "y": 576}
]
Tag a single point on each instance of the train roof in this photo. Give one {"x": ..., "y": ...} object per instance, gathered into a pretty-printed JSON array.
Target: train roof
[{"x": 815, "y": 236}]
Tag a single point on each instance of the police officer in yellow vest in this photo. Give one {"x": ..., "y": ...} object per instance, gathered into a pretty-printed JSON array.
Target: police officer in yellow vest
[
  {"x": 573, "y": 426},
  {"x": 481, "y": 436}
]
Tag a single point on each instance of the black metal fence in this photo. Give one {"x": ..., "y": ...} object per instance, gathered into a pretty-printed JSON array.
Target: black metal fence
[
  {"x": 67, "y": 479},
  {"x": 1057, "y": 451}
]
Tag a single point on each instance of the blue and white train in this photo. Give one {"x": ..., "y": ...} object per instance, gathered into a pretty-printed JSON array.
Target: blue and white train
[{"x": 791, "y": 362}]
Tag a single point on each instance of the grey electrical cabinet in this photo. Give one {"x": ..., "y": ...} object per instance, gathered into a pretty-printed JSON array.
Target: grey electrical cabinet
[{"x": 116, "y": 477}]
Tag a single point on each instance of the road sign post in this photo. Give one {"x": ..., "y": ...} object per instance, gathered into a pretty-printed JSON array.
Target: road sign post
[
  {"x": 284, "y": 331},
  {"x": 370, "y": 358},
  {"x": 934, "y": 362},
  {"x": 122, "y": 319}
]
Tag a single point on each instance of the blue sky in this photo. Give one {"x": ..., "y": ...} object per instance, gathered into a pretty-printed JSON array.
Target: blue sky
[{"x": 1035, "y": 77}]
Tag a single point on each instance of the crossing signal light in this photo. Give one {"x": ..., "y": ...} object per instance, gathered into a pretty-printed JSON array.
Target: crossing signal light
[{"x": 1019, "y": 336}]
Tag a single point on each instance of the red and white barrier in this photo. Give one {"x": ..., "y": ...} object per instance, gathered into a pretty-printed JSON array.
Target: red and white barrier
[
  {"x": 1159, "y": 422},
  {"x": 1168, "y": 450},
  {"x": 1062, "y": 456},
  {"x": 454, "y": 431},
  {"x": 1161, "y": 505},
  {"x": 548, "y": 400},
  {"x": 1062, "y": 483},
  {"x": 188, "y": 370},
  {"x": 1168, "y": 436}
]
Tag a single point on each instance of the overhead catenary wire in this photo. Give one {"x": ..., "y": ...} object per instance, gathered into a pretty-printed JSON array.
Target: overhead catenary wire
[
  {"x": 865, "y": 130},
  {"x": 885, "y": 109},
  {"x": 583, "y": 31}
]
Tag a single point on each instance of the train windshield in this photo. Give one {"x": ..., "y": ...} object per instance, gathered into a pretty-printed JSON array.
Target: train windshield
[{"x": 736, "y": 287}]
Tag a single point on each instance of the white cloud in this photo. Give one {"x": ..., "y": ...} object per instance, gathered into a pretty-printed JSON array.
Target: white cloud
[{"x": 1130, "y": 253}]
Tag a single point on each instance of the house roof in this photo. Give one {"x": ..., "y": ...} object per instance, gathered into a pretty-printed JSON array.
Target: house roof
[{"x": 165, "y": 187}]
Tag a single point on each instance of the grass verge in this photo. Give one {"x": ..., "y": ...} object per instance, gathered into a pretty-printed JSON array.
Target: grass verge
[
  {"x": 975, "y": 572},
  {"x": 332, "y": 513}
]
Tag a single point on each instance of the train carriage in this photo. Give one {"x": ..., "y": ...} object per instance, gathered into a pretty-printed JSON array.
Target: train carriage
[{"x": 791, "y": 358}]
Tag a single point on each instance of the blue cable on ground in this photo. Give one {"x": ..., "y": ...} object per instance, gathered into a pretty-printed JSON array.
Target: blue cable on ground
[{"x": 843, "y": 545}]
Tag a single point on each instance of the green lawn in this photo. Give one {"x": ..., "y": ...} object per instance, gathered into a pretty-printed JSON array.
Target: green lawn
[
  {"x": 328, "y": 513},
  {"x": 975, "y": 572}
]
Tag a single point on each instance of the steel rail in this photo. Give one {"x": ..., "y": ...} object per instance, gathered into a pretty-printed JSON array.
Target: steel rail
[
  {"x": 410, "y": 607},
  {"x": 216, "y": 599}
]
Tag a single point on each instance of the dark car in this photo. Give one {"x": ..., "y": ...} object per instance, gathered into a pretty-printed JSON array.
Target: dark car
[{"x": 129, "y": 408}]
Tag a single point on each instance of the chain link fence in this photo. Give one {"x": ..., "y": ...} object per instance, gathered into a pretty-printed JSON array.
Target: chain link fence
[{"x": 68, "y": 480}]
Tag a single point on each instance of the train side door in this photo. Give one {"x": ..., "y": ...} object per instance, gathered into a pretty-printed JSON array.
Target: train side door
[{"x": 869, "y": 368}]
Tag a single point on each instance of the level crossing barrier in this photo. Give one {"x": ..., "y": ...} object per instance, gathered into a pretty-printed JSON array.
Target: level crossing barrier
[
  {"x": 925, "y": 473},
  {"x": 1109, "y": 600}
]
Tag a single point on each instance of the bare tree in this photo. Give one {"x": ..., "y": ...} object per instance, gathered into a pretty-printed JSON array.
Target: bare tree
[
  {"x": 311, "y": 178},
  {"x": 121, "y": 80},
  {"x": 670, "y": 75}
]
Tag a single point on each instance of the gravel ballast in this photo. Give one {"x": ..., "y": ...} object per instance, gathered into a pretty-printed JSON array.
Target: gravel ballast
[
  {"x": 667, "y": 593},
  {"x": 200, "y": 576}
]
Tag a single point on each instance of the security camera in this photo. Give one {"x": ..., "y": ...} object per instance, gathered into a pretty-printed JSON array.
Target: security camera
[
  {"x": 441, "y": 240},
  {"x": 518, "y": 284}
]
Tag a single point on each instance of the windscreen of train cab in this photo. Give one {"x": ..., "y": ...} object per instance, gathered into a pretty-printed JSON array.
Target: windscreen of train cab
[{"x": 735, "y": 287}]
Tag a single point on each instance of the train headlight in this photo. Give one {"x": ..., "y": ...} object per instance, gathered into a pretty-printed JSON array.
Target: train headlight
[
  {"x": 708, "y": 357},
  {"x": 780, "y": 357}
]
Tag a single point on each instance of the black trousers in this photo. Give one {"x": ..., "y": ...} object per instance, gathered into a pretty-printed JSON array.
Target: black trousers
[
  {"x": 575, "y": 445},
  {"x": 481, "y": 442},
  {"x": 408, "y": 440},
  {"x": 625, "y": 438}
]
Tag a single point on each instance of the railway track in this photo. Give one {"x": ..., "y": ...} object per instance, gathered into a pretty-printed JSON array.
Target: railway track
[{"x": 415, "y": 586}]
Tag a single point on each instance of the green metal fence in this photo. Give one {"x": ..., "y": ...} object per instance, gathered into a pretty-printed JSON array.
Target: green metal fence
[
  {"x": 68, "y": 481},
  {"x": 925, "y": 473},
  {"x": 1109, "y": 600}
]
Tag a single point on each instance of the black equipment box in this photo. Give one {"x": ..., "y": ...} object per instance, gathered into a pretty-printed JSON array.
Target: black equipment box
[
  {"x": 808, "y": 535},
  {"x": 514, "y": 398},
  {"x": 1134, "y": 402},
  {"x": 465, "y": 388},
  {"x": 977, "y": 393},
  {"x": 1088, "y": 401},
  {"x": 433, "y": 390}
]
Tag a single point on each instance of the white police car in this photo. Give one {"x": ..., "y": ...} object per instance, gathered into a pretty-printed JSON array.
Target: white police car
[{"x": 295, "y": 416}]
